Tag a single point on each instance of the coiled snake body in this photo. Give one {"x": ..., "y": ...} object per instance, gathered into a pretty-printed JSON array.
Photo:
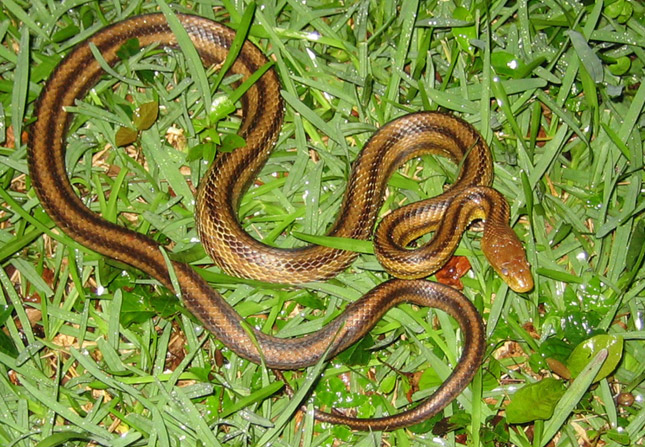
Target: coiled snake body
[{"x": 237, "y": 253}]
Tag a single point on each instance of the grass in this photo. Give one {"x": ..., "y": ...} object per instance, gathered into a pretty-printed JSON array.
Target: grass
[{"x": 92, "y": 352}]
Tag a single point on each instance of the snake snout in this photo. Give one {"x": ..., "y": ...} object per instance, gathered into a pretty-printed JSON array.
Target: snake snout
[{"x": 507, "y": 256}]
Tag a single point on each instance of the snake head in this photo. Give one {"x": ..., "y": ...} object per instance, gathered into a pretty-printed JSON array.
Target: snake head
[{"x": 506, "y": 254}]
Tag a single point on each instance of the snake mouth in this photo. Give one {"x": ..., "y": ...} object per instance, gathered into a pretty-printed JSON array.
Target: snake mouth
[
  {"x": 517, "y": 274},
  {"x": 523, "y": 285}
]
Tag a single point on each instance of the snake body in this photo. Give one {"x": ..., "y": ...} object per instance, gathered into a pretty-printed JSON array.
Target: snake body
[{"x": 237, "y": 253}]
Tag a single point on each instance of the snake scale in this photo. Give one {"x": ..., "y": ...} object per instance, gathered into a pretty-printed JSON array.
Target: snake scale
[{"x": 237, "y": 253}]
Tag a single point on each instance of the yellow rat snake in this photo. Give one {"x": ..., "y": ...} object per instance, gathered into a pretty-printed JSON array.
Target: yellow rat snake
[{"x": 239, "y": 254}]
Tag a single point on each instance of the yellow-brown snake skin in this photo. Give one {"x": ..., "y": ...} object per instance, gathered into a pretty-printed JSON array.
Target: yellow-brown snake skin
[{"x": 238, "y": 253}]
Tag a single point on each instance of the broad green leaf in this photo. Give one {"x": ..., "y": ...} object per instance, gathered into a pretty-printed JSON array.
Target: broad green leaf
[
  {"x": 221, "y": 107},
  {"x": 620, "y": 66},
  {"x": 129, "y": 48},
  {"x": 464, "y": 34},
  {"x": 125, "y": 136},
  {"x": 535, "y": 401},
  {"x": 231, "y": 142},
  {"x": 65, "y": 33},
  {"x": 359, "y": 353},
  {"x": 620, "y": 10},
  {"x": 508, "y": 64},
  {"x": 145, "y": 115},
  {"x": 621, "y": 437},
  {"x": 585, "y": 351},
  {"x": 555, "y": 348},
  {"x": 429, "y": 378},
  {"x": 387, "y": 385}
]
